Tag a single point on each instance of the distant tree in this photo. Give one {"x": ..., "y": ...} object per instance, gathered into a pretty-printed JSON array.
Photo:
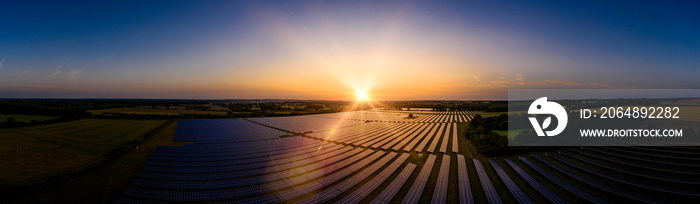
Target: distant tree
[
  {"x": 314, "y": 107},
  {"x": 11, "y": 120}
]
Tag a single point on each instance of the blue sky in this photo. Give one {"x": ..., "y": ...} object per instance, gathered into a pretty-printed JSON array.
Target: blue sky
[{"x": 328, "y": 50}]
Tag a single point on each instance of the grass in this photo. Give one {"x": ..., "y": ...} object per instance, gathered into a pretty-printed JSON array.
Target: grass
[
  {"x": 510, "y": 133},
  {"x": 104, "y": 183},
  {"x": 25, "y": 118},
  {"x": 31, "y": 154}
]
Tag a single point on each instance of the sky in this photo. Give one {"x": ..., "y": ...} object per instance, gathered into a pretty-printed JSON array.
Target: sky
[{"x": 330, "y": 50}]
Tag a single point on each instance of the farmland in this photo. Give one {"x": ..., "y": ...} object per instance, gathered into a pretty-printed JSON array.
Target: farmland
[
  {"x": 149, "y": 111},
  {"x": 25, "y": 118},
  {"x": 31, "y": 154}
]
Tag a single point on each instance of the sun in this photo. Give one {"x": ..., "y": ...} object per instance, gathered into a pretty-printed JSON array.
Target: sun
[{"x": 361, "y": 95}]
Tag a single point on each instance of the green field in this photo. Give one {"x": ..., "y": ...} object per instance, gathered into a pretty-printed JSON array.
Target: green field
[
  {"x": 25, "y": 118},
  {"x": 31, "y": 154},
  {"x": 511, "y": 134}
]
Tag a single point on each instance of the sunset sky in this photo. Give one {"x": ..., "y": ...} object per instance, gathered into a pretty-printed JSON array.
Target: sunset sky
[{"x": 397, "y": 50}]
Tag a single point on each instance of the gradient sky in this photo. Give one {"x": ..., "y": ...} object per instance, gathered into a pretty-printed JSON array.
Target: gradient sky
[{"x": 400, "y": 50}]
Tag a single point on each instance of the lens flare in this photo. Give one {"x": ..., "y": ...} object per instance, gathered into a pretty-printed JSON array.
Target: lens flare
[{"x": 361, "y": 95}]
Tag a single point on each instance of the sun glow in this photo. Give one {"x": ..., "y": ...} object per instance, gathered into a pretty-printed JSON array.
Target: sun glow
[{"x": 361, "y": 96}]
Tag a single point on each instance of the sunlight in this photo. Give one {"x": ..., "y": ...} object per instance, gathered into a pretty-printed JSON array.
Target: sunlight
[{"x": 361, "y": 96}]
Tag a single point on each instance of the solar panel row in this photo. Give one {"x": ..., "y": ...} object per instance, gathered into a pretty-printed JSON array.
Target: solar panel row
[
  {"x": 421, "y": 136},
  {"x": 347, "y": 133},
  {"x": 595, "y": 184},
  {"x": 297, "y": 191},
  {"x": 371, "y": 139},
  {"x": 412, "y": 138},
  {"x": 400, "y": 116},
  {"x": 489, "y": 190},
  {"x": 676, "y": 182},
  {"x": 367, "y": 188},
  {"x": 643, "y": 160},
  {"x": 455, "y": 140},
  {"x": 445, "y": 139},
  {"x": 631, "y": 165},
  {"x": 436, "y": 138},
  {"x": 414, "y": 194},
  {"x": 567, "y": 186},
  {"x": 401, "y": 137},
  {"x": 465, "y": 192},
  {"x": 620, "y": 180},
  {"x": 236, "y": 179},
  {"x": 512, "y": 187},
  {"x": 390, "y": 191},
  {"x": 267, "y": 148},
  {"x": 536, "y": 184},
  {"x": 442, "y": 116},
  {"x": 427, "y": 138},
  {"x": 440, "y": 193},
  {"x": 249, "y": 163}
]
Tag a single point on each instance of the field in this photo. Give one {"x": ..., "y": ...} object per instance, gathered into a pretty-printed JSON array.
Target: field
[
  {"x": 25, "y": 118},
  {"x": 511, "y": 134},
  {"x": 150, "y": 111},
  {"x": 31, "y": 154}
]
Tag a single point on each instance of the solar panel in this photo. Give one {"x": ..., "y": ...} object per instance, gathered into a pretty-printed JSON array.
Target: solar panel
[
  {"x": 437, "y": 137},
  {"x": 413, "y": 195},
  {"x": 445, "y": 139},
  {"x": 455, "y": 139},
  {"x": 390, "y": 191},
  {"x": 491, "y": 194},
  {"x": 512, "y": 187},
  {"x": 427, "y": 138},
  {"x": 370, "y": 186},
  {"x": 440, "y": 192},
  {"x": 465, "y": 192},
  {"x": 537, "y": 185}
]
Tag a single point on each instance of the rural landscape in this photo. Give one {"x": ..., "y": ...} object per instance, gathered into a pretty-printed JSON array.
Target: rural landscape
[
  {"x": 307, "y": 101},
  {"x": 443, "y": 152}
]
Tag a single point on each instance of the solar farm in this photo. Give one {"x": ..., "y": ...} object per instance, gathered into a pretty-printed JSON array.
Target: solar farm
[{"x": 378, "y": 156}]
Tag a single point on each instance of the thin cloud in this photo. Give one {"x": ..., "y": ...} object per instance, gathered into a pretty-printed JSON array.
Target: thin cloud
[
  {"x": 2, "y": 61},
  {"x": 565, "y": 83},
  {"x": 502, "y": 81},
  {"x": 476, "y": 78},
  {"x": 22, "y": 74},
  {"x": 75, "y": 74},
  {"x": 596, "y": 84},
  {"x": 57, "y": 71},
  {"x": 519, "y": 80}
]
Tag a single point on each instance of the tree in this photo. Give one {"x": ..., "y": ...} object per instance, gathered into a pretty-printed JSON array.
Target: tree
[{"x": 11, "y": 120}]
